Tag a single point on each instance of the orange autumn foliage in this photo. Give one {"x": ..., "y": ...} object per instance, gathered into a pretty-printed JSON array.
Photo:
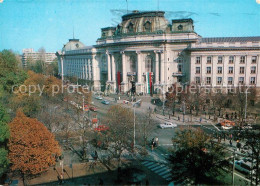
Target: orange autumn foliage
[{"x": 32, "y": 147}]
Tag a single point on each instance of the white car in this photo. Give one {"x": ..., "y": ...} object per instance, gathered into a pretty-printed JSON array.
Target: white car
[
  {"x": 227, "y": 127},
  {"x": 167, "y": 125}
]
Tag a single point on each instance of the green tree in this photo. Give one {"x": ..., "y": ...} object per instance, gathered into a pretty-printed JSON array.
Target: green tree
[
  {"x": 10, "y": 73},
  {"x": 195, "y": 157},
  {"x": 4, "y": 135}
]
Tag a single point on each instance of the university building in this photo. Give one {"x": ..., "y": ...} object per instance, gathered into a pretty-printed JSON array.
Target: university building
[
  {"x": 151, "y": 53},
  {"x": 30, "y": 55}
]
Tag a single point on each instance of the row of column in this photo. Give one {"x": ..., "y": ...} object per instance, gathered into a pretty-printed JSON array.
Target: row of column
[{"x": 159, "y": 67}]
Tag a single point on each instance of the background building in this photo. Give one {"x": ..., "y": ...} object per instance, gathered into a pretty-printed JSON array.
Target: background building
[
  {"x": 30, "y": 55},
  {"x": 150, "y": 53}
]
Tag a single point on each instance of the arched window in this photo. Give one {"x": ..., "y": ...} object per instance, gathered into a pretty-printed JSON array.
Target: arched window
[
  {"x": 147, "y": 27},
  {"x": 132, "y": 64},
  {"x": 130, "y": 28},
  {"x": 148, "y": 63}
]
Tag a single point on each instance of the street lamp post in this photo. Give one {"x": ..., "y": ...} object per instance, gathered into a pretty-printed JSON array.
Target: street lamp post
[{"x": 134, "y": 126}]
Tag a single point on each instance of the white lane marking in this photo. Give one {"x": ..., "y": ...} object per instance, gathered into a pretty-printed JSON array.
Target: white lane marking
[
  {"x": 147, "y": 164},
  {"x": 152, "y": 166},
  {"x": 164, "y": 172},
  {"x": 155, "y": 168},
  {"x": 167, "y": 175},
  {"x": 160, "y": 170}
]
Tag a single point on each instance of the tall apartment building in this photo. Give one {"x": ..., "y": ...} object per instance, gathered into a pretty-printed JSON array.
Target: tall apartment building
[
  {"x": 147, "y": 49},
  {"x": 30, "y": 54}
]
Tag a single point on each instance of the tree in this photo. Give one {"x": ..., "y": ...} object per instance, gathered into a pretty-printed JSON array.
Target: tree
[
  {"x": 121, "y": 123},
  {"x": 171, "y": 97},
  {"x": 194, "y": 157},
  {"x": 10, "y": 73},
  {"x": 252, "y": 141},
  {"x": 32, "y": 148},
  {"x": 4, "y": 135}
]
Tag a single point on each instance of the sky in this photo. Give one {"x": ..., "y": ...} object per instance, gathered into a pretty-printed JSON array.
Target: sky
[{"x": 50, "y": 23}]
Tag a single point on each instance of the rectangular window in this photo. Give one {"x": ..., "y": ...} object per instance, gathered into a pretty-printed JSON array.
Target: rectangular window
[
  {"x": 198, "y": 60},
  {"x": 231, "y": 59},
  {"x": 220, "y": 59},
  {"x": 241, "y": 80},
  {"x": 197, "y": 70},
  {"x": 208, "y": 70},
  {"x": 219, "y": 70},
  {"x": 179, "y": 68},
  {"x": 208, "y": 80},
  {"x": 230, "y": 70},
  {"x": 180, "y": 60},
  {"x": 254, "y": 59},
  {"x": 242, "y": 70},
  {"x": 242, "y": 59},
  {"x": 230, "y": 80},
  {"x": 253, "y": 70},
  {"x": 197, "y": 80},
  {"x": 219, "y": 80},
  {"x": 209, "y": 59},
  {"x": 252, "y": 80}
]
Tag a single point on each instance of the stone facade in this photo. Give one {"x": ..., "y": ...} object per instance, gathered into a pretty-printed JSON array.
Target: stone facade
[{"x": 145, "y": 49}]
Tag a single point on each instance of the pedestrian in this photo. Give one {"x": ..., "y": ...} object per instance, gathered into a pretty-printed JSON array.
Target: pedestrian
[
  {"x": 224, "y": 135},
  {"x": 200, "y": 119},
  {"x": 231, "y": 136},
  {"x": 152, "y": 144},
  {"x": 235, "y": 115},
  {"x": 157, "y": 141},
  {"x": 178, "y": 118},
  {"x": 230, "y": 142},
  {"x": 238, "y": 145}
]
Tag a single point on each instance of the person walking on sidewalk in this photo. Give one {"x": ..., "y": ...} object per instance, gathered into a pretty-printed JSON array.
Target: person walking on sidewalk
[{"x": 230, "y": 142}]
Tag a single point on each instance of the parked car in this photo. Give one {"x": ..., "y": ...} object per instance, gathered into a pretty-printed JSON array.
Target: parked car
[
  {"x": 101, "y": 128},
  {"x": 248, "y": 126},
  {"x": 243, "y": 166},
  {"x": 99, "y": 98},
  {"x": 105, "y": 102},
  {"x": 226, "y": 127},
  {"x": 167, "y": 125},
  {"x": 94, "y": 109}
]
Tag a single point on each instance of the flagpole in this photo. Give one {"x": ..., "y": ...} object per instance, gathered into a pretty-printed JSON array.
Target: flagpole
[{"x": 126, "y": 6}]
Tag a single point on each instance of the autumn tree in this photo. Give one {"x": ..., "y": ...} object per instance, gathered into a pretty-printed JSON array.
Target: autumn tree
[
  {"x": 32, "y": 148},
  {"x": 121, "y": 123},
  {"x": 144, "y": 126},
  {"x": 195, "y": 158},
  {"x": 171, "y": 97},
  {"x": 4, "y": 135}
]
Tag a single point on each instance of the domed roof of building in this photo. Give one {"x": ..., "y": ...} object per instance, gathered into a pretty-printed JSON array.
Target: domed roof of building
[
  {"x": 145, "y": 21},
  {"x": 73, "y": 44}
]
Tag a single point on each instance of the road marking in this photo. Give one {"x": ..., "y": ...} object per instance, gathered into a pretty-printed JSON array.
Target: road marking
[
  {"x": 167, "y": 175},
  {"x": 155, "y": 168},
  {"x": 152, "y": 166},
  {"x": 164, "y": 172},
  {"x": 169, "y": 144}
]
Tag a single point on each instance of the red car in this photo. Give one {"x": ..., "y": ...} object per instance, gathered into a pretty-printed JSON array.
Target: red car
[
  {"x": 94, "y": 109},
  {"x": 101, "y": 128}
]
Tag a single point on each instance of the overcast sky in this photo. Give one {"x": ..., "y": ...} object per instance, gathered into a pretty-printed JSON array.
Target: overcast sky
[{"x": 49, "y": 23}]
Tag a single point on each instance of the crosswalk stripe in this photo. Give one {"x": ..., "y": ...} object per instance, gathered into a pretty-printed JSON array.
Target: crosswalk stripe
[
  {"x": 147, "y": 164},
  {"x": 169, "y": 179},
  {"x": 161, "y": 170},
  {"x": 155, "y": 168},
  {"x": 164, "y": 172},
  {"x": 144, "y": 162},
  {"x": 167, "y": 175},
  {"x": 151, "y": 166}
]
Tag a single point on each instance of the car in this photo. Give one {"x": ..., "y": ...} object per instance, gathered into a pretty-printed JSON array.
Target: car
[
  {"x": 167, "y": 125},
  {"x": 101, "y": 128},
  {"x": 94, "y": 109},
  {"x": 243, "y": 166},
  {"x": 99, "y": 98},
  {"x": 105, "y": 102},
  {"x": 226, "y": 127},
  {"x": 248, "y": 126},
  {"x": 125, "y": 101}
]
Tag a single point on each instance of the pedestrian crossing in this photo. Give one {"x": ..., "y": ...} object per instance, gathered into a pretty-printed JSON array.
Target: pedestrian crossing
[{"x": 159, "y": 168}]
